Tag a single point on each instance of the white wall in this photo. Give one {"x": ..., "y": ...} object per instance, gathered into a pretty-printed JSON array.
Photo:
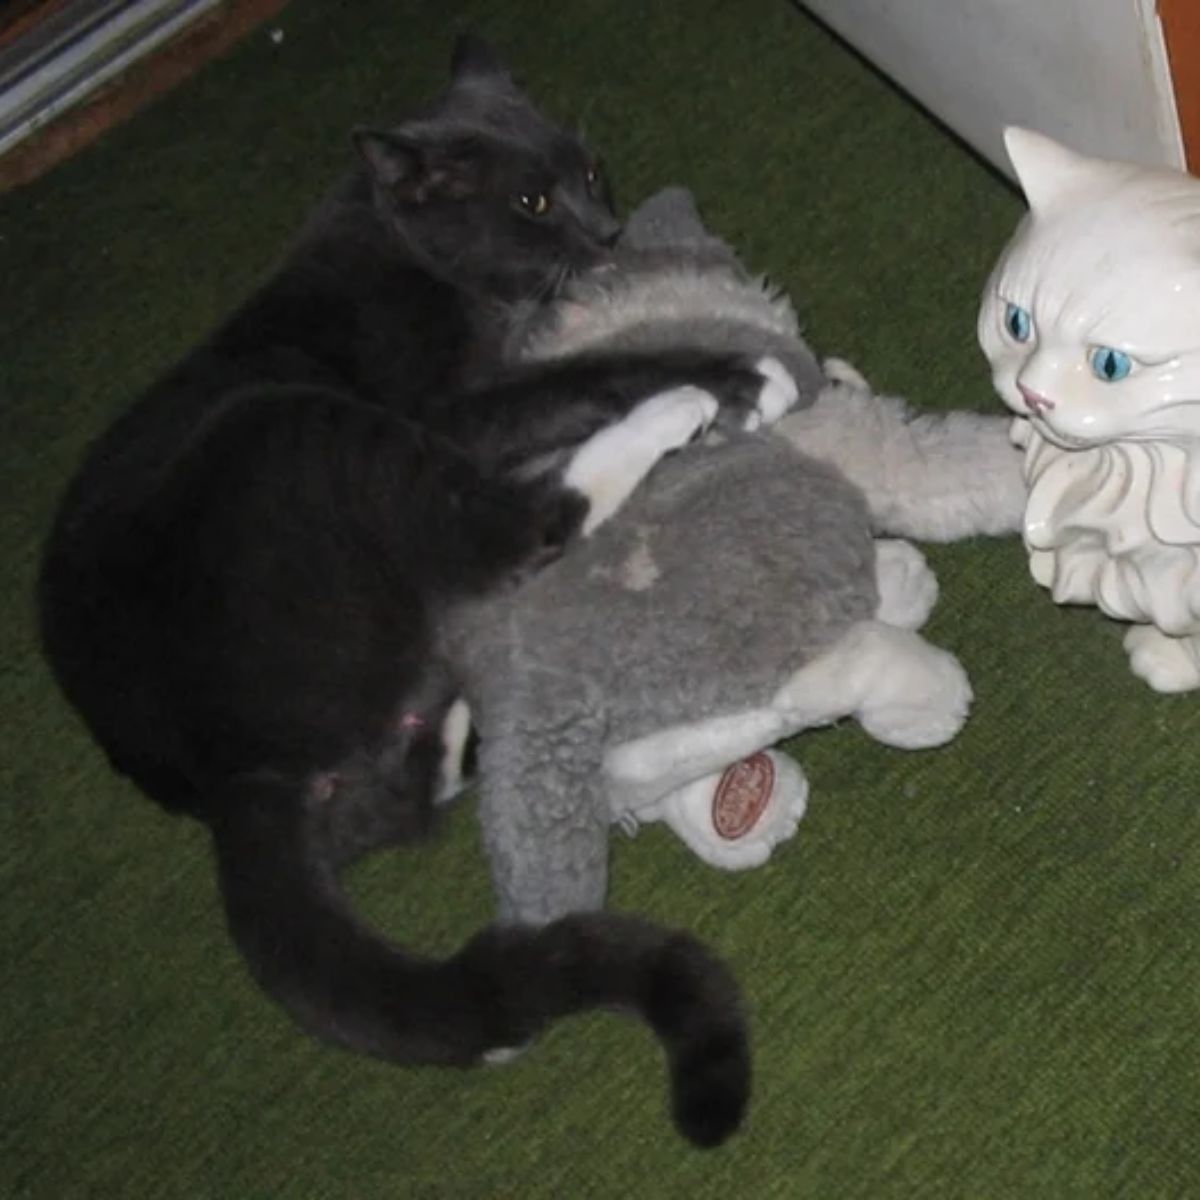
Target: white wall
[{"x": 1091, "y": 73}]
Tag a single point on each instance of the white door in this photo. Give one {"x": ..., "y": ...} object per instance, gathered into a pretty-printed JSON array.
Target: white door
[{"x": 1091, "y": 73}]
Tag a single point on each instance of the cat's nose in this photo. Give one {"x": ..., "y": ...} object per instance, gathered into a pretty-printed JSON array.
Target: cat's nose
[
  {"x": 602, "y": 226},
  {"x": 1035, "y": 401},
  {"x": 608, "y": 233}
]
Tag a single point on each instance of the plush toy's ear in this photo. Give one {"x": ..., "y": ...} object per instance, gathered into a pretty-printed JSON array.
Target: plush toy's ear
[
  {"x": 415, "y": 168},
  {"x": 668, "y": 218}
]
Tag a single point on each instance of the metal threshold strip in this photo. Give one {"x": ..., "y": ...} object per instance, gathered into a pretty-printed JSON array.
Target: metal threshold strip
[{"x": 75, "y": 50}]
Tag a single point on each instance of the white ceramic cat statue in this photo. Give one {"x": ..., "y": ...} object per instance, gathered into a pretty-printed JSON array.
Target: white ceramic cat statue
[{"x": 1091, "y": 323}]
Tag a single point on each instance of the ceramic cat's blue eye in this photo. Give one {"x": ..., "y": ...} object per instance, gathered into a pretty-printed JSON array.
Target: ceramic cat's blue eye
[
  {"x": 1109, "y": 364},
  {"x": 1018, "y": 322}
]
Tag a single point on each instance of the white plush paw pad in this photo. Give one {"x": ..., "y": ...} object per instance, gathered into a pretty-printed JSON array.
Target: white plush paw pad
[
  {"x": 1167, "y": 664},
  {"x": 908, "y": 589},
  {"x": 779, "y": 392},
  {"x": 922, "y": 699},
  {"x": 838, "y": 370},
  {"x": 609, "y": 465},
  {"x": 736, "y": 818}
]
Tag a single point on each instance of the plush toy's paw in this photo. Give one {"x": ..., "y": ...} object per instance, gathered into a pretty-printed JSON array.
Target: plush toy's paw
[
  {"x": 839, "y": 371},
  {"x": 918, "y": 698},
  {"x": 736, "y": 818},
  {"x": 908, "y": 589},
  {"x": 1167, "y": 664},
  {"x": 779, "y": 393},
  {"x": 609, "y": 465}
]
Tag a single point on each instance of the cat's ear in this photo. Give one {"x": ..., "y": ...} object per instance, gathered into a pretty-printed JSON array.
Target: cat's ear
[
  {"x": 414, "y": 169},
  {"x": 474, "y": 59},
  {"x": 1048, "y": 172},
  {"x": 389, "y": 157}
]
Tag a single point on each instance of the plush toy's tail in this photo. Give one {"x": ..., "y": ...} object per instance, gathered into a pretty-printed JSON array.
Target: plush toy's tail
[
  {"x": 345, "y": 984},
  {"x": 931, "y": 476}
]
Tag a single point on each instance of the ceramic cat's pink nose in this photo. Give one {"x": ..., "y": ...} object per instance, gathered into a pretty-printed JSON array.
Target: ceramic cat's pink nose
[{"x": 1035, "y": 401}]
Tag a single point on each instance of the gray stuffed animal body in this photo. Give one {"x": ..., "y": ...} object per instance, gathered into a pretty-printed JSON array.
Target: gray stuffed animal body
[{"x": 738, "y": 596}]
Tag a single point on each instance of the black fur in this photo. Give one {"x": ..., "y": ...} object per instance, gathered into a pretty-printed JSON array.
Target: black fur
[{"x": 242, "y": 589}]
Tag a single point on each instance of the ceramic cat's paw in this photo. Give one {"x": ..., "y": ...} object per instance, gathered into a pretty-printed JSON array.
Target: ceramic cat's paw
[
  {"x": 1167, "y": 664},
  {"x": 908, "y": 589},
  {"x": 919, "y": 699},
  {"x": 610, "y": 464}
]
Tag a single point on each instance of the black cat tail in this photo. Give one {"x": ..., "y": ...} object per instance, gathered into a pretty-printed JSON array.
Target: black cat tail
[{"x": 345, "y": 984}]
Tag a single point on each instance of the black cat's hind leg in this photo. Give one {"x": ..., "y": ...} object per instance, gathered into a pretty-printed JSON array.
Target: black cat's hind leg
[{"x": 372, "y": 801}]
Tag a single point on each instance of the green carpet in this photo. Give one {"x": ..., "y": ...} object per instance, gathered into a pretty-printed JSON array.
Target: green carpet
[{"x": 973, "y": 973}]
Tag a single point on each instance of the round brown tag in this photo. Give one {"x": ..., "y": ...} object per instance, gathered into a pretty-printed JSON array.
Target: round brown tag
[{"x": 742, "y": 794}]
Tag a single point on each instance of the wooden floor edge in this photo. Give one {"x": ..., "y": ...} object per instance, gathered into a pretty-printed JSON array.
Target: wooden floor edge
[{"x": 213, "y": 34}]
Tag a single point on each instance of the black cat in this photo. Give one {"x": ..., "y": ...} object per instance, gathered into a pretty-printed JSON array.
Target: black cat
[{"x": 242, "y": 591}]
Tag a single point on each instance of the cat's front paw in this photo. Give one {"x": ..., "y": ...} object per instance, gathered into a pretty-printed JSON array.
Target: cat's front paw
[
  {"x": 611, "y": 463},
  {"x": 669, "y": 420},
  {"x": 753, "y": 395},
  {"x": 779, "y": 391},
  {"x": 1167, "y": 664}
]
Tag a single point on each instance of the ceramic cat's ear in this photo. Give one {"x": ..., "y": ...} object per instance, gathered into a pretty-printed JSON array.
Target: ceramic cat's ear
[
  {"x": 474, "y": 58},
  {"x": 1049, "y": 173},
  {"x": 414, "y": 169}
]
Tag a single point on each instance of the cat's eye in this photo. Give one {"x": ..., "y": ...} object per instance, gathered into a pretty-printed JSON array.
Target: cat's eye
[
  {"x": 536, "y": 204},
  {"x": 1018, "y": 322},
  {"x": 1109, "y": 364},
  {"x": 591, "y": 176}
]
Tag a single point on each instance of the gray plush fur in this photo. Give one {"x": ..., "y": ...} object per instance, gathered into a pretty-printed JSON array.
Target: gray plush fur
[
  {"x": 672, "y": 285},
  {"x": 729, "y": 569}
]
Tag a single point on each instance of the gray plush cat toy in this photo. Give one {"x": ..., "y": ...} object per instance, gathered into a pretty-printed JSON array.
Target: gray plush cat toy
[{"x": 738, "y": 597}]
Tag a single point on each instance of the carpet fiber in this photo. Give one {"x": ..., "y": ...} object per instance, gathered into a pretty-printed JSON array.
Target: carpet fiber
[{"x": 973, "y": 973}]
